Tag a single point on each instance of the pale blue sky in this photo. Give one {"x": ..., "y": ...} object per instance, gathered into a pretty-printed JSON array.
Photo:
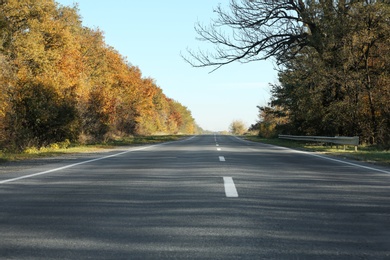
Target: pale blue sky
[{"x": 152, "y": 34}]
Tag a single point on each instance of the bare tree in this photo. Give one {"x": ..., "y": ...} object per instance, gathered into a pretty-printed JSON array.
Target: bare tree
[{"x": 259, "y": 29}]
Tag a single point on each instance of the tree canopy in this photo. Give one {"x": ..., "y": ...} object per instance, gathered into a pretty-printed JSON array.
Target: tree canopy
[
  {"x": 237, "y": 127},
  {"x": 59, "y": 80},
  {"x": 333, "y": 59}
]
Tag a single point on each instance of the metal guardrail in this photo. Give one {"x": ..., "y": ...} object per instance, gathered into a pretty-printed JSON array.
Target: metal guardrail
[{"x": 325, "y": 139}]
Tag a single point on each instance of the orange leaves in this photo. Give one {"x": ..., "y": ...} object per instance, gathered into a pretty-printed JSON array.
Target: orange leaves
[{"x": 61, "y": 80}]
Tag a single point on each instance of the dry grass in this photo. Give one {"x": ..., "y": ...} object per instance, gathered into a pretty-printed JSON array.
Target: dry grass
[
  {"x": 71, "y": 148},
  {"x": 364, "y": 153}
]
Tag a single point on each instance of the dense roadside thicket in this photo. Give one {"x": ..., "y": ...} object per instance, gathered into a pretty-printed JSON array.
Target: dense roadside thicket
[
  {"x": 333, "y": 58},
  {"x": 343, "y": 89},
  {"x": 60, "y": 81}
]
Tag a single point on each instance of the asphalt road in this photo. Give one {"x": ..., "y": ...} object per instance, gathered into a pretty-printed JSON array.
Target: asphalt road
[{"x": 206, "y": 197}]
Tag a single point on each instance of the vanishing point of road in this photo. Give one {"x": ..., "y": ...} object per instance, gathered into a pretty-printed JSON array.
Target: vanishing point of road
[{"x": 204, "y": 197}]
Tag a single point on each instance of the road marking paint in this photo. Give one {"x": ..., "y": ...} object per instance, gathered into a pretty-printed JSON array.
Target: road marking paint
[
  {"x": 221, "y": 158},
  {"x": 218, "y": 149},
  {"x": 230, "y": 188},
  {"x": 349, "y": 163},
  {"x": 70, "y": 166},
  {"x": 335, "y": 160},
  {"x": 319, "y": 156},
  {"x": 89, "y": 161}
]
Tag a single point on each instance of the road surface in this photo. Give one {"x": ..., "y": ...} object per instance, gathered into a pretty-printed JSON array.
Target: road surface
[{"x": 205, "y": 197}]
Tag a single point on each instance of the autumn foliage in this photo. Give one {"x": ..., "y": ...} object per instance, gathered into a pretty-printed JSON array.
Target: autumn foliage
[{"x": 60, "y": 81}]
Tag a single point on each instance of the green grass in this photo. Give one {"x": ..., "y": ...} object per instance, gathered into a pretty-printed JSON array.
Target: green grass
[
  {"x": 72, "y": 148},
  {"x": 364, "y": 153},
  {"x": 139, "y": 140}
]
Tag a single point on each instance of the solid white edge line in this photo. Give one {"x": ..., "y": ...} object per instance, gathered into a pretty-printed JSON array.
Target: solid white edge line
[
  {"x": 344, "y": 162},
  {"x": 230, "y": 188},
  {"x": 70, "y": 166},
  {"x": 88, "y": 161},
  {"x": 323, "y": 157}
]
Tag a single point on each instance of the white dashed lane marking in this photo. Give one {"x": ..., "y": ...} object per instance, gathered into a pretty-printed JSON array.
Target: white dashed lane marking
[
  {"x": 221, "y": 158},
  {"x": 230, "y": 188}
]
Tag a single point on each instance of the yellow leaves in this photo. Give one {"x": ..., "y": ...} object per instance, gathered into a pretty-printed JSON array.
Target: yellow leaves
[
  {"x": 39, "y": 38},
  {"x": 62, "y": 71}
]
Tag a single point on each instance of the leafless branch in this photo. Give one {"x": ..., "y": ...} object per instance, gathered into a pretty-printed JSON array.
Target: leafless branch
[{"x": 251, "y": 31}]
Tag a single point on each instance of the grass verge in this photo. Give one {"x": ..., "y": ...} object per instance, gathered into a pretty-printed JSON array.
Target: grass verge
[
  {"x": 364, "y": 153},
  {"x": 72, "y": 148}
]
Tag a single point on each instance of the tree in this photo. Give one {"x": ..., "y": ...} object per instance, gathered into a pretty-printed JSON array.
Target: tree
[
  {"x": 41, "y": 107},
  {"x": 332, "y": 56},
  {"x": 342, "y": 92},
  {"x": 59, "y": 80},
  {"x": 272, "y": 120},
  {"x": 39, "y": 116},
  {"x": 6, "y": 75},
  {"x": 237, "y": 127},
  {"x": 262, "y": 29},
  {"x": 180, "y": 119}
]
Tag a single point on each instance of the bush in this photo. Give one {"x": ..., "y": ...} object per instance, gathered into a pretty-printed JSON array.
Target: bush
[{"x": 40, "y": 116}]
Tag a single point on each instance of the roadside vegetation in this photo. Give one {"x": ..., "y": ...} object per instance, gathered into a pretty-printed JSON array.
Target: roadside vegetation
[
  {"x": 366, "y": 153},
  {"x": 64, "y": 148},
  {"x": 59, "y": 80},
  {"x": 237, "y": 127},
  {"x": 332, "y": 57}
]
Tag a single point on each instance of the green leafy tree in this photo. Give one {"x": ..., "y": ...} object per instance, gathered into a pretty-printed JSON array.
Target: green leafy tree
[
  {"x": 333, "y": 58},
  {"x": 39, "y": 116}
]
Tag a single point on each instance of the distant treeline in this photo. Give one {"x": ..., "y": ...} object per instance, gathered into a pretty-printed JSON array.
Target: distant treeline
[{"x": 60, "y": 81}]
